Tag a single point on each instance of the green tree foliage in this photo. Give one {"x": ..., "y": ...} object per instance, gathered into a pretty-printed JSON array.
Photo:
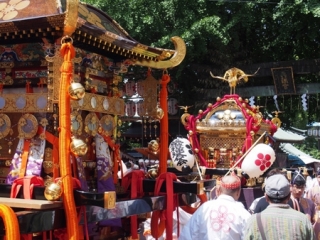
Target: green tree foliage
[{"x": 221, "y": 34}]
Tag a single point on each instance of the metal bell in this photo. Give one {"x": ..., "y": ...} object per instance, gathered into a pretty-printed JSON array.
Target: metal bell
[
  {"x": 78, "y": 147},
  {"x": 153, "y": 146},
  {"x": 53, "y": 191},
  {"x": 160, "y": 113},
  {"x": 76, "y": 91}
]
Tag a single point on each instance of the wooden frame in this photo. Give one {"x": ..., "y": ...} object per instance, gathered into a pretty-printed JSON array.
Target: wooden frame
[{"x": 283, "y": 80}]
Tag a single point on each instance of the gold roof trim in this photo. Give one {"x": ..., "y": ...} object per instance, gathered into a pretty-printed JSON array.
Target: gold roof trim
[
  {"x": 56, "y": 21},
  {"x": 8, "y": 27},
  {"x": 106, "y": 43},
  {"x": 226, "y": 124}
]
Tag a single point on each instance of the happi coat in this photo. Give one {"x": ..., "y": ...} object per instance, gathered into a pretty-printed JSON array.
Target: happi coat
[{"x": 222, "y": 218}]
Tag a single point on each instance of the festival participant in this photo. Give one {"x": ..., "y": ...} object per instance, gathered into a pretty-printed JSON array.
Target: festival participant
[
  {"x": 222, "y": 218},
  {"x": 262, "y": 204},
  {"x": 314, "y": 192},
  {"x": 309, "y": 185},
  {"x": 314, "y": 195},
  {"x": 279, "y": 220},
  {"x": 253, "y": 205},
  {"x": 298, "y": 185}
]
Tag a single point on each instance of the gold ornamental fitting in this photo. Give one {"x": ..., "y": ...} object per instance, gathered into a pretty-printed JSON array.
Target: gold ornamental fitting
[
  {"x": 110, "y": 200},
  {"x": 200, "y": 187},
  {"x": 47, "y": 166},
  {"x": 53, "y": 191}
]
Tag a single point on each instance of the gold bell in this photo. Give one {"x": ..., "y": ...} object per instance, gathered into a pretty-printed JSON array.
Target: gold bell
[
  {"x": 160, "y": 113},
  {"x": 76, "y": 91},
  {"x": 153, "y": 146},
  {"x": 153, "y": 172},
  {"x": 78, "y": 147},
  {"x": 53, "y": 191}
]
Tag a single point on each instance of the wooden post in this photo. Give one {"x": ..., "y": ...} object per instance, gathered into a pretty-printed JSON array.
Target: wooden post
[{"x": 164, "y": 129}]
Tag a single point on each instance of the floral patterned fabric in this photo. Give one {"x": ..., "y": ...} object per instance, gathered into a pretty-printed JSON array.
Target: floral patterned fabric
[{"x": 222, "y": 218}]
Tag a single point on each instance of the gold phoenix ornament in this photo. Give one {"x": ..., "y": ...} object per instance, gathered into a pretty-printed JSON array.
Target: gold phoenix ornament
[{"x": 233, "y": 76}]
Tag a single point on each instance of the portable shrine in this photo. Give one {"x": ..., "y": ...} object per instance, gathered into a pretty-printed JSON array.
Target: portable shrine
[
  {"x": 63, "y": 66},
  {"x": 62, "y": 70}
]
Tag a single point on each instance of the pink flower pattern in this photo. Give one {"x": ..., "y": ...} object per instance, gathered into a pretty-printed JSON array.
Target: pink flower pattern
[
  {"x": 263, "y": 161},
  {"x": 221, "y": 219}
]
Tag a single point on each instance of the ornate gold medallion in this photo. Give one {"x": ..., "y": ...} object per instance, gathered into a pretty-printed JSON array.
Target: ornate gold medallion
[
  {"x": 5, "y": 125},
  {"x": 27, "y": 126}
]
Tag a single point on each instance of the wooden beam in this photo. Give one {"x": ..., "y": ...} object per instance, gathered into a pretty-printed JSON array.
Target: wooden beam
[
  {"x": 264, "y": 91},
  {"x": 299, "y": 67},
  {"x": 30, "y": 203},
  {"x": 181, "y": 187}
]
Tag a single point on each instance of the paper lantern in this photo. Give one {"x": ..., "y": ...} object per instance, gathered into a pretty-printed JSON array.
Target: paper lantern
[
  {"x": 140, "y": 88},
  {"x": 130, "y": 109},
  {"x": 181, "y": 153},
  {"x": 130, "y": 87},
  {"x": 140, "y": 108},
  {"x": 258, "y": 160}
]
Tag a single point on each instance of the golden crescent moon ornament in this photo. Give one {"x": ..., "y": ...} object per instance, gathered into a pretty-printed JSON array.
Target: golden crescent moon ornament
[
  {"x": 178, "y": 55},
  {"x": 276, "y": 121},
  {"x": 184, "y": 118}
]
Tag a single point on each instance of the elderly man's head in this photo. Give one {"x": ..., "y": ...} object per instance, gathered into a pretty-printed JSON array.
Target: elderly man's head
[{"x": 231, "y": 185}]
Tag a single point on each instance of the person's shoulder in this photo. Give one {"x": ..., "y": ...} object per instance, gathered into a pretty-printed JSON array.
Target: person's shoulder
[
  {"x": 207, "y": 205},
  {"x": 241, "y": 210},
  {"x": 239, "y": 204},
  {"x": 261, "y": 204},
  {"x": 251, "y": 219},
  {"x": 309, "y": 201},
  {"x": 262, "y": 200},
  {"x": 315, "y": 185},
  {"x": 298, "y": 214}
]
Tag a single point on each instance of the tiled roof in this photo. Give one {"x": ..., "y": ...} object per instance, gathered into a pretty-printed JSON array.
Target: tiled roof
[
  {"x": 90, "y": 28},
  {"x": 285, "y": 136},
  {"x": 292, "y": 150}
]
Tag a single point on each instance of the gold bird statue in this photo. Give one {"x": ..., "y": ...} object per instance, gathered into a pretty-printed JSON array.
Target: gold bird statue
[{"x": 233, "y": 76}]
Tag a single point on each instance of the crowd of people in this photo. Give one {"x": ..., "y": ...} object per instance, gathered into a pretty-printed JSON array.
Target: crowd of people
[{"x": 288, "y": 210}]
